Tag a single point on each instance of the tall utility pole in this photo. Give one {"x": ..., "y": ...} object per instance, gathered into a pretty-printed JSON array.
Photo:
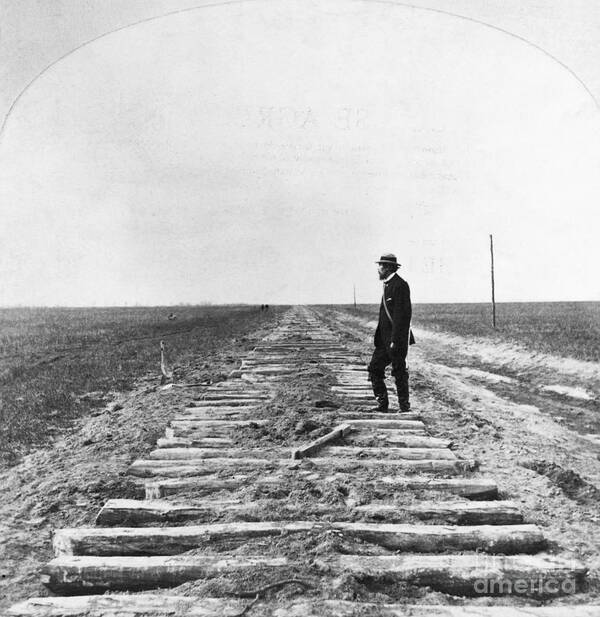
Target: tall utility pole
[
  {"x": 493, "y": 286},
  {"x": 354, "y": 288}
]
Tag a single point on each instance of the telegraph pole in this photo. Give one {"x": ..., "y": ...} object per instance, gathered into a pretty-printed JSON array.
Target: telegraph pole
[
  {"x": 493, "y": 286},
  {"x": 354, "y": 288}
]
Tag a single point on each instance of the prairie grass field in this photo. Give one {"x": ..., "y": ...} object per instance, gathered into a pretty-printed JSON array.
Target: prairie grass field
[
  {"x": 568, "y": 329},
  {"x": 57, "y": 364}
]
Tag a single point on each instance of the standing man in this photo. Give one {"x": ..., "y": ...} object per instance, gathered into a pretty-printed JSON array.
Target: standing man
[{"x": 393, "y": 335}]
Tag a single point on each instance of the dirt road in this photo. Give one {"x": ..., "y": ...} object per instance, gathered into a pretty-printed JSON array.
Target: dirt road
[{"x": 377, "y": 516}]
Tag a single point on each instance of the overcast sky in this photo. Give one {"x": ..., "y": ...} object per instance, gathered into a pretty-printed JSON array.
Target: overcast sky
[{"x": 271, "y": 151}]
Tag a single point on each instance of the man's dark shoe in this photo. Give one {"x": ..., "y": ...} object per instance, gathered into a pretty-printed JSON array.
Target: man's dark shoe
[
  {"x": 377, "y": 410},
  {"x": 382, "y": 407}
]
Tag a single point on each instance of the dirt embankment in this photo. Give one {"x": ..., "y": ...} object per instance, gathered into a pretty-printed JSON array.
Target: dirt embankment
[{"x": 493, "y": 406}]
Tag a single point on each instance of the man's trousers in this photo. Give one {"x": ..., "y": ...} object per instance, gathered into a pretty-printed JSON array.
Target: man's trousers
[{"x": 381, "y": 358}]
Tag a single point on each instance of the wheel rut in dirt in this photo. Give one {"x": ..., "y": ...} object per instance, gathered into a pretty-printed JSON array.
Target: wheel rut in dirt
[{"x": 275, "y": 493}]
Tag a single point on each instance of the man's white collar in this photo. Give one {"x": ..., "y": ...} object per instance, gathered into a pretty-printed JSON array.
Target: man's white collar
[{"x": 386, "y": 280}]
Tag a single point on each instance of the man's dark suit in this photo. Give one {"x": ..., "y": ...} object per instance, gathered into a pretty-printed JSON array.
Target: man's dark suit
[{"x": 397, "y": 331}]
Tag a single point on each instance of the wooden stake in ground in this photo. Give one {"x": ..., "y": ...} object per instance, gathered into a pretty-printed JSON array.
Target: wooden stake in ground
[
  {"x": 167, "y": 375},
  {"x": 493, "y": 286}
]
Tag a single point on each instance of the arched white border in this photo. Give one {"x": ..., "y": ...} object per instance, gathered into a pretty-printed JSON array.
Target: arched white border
[{"x": 232, "y": 2}]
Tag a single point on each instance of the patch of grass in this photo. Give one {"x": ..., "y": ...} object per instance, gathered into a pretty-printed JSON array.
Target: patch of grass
[
  {"x": 569, "y": 329},
  {"x": 59, "y": 364}
]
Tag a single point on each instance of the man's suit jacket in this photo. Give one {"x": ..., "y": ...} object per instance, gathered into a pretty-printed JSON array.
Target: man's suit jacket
[{"x": 397, "y": 298}]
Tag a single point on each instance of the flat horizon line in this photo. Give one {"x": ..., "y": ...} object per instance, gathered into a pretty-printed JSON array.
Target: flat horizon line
[{"x": 254, "y": 304}]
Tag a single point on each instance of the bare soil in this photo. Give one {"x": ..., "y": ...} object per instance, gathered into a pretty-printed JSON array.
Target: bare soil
[
  {"x": 66, "y": 483},
  {"x": 528, "y": 439}
]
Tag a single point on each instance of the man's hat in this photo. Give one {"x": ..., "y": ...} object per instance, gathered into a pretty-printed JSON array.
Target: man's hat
[{"x": 388, "y": 259}]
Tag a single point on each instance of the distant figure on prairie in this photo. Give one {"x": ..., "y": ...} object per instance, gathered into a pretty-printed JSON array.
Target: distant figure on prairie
[
  {"x": 393, "y": 335},
  {"x": 172, "y": 316},
  {"x": 266, "y": 307},
  {"x": 262, "y": 307}
]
